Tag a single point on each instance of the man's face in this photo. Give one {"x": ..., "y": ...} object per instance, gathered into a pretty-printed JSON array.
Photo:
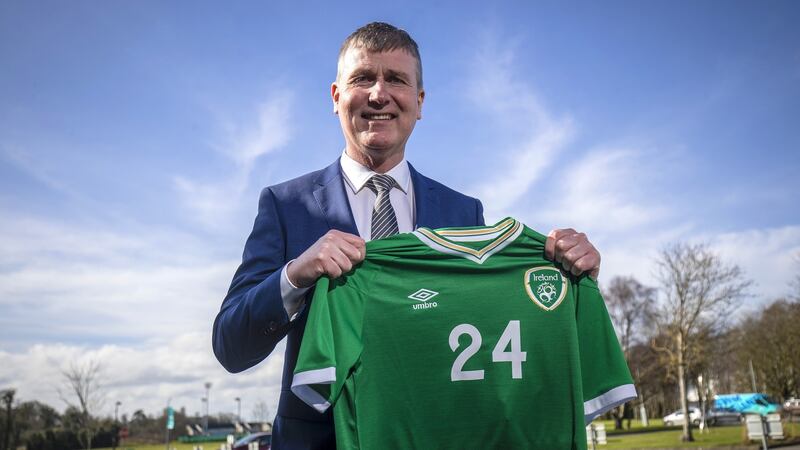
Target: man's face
[{"x": 378, "y": 102}]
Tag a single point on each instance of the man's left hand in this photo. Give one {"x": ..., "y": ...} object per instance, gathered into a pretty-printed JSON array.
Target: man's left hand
[{"x": 574, "y": 251}]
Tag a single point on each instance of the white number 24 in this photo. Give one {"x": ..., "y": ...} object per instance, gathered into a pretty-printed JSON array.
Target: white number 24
[{"x": 510, "y": 337}]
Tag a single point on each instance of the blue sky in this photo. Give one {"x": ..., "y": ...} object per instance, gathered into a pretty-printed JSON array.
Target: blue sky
[{"x": 135, "y": 137}]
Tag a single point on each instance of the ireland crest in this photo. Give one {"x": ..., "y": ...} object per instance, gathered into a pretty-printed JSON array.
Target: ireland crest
[{"x": 546, "y": 286}]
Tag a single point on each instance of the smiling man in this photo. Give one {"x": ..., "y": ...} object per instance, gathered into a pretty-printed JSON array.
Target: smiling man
[
  {"x": 317, "y": 224},
  {"x": 378, "y": 98}
]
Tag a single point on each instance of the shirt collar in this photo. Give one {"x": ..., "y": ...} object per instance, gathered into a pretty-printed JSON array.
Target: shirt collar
[{"x": 356, "y": 175}]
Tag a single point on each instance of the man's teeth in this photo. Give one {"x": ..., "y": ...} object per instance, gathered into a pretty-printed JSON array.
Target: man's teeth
[{"x": 379, "y": 116}]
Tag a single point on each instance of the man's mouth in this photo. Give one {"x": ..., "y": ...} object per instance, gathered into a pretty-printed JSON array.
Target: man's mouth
[{"x": 383, "y": 116}]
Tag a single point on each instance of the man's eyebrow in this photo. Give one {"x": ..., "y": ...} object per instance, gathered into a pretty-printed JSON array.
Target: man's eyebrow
[
  {"x": 362, "y": 71},
  {"x": 399, "y": 73}
]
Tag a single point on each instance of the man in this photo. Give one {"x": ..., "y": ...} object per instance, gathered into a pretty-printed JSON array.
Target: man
[{"x": 316, "y": 225}]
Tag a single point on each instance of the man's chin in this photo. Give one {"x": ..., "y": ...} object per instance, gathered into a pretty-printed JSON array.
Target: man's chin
[{"x": 379, "y": 144}]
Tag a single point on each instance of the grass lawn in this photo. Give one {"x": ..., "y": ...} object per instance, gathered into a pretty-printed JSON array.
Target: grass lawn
[
  {"x": 635, "y": 424},
  {"x": 716, "y": 437},
  {"x": 172, "y": 445}
]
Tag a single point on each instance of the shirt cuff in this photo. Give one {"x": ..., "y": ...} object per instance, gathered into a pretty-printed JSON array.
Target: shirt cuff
[{"x": 293, "y": 297}]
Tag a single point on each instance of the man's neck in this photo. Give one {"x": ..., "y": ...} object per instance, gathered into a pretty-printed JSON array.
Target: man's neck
[{"x": 373, "y": 163}]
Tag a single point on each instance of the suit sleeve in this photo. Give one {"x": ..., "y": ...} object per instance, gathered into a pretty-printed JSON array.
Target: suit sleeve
[
  {"x": 252, "y": 319},
  {"x": 332, "y": 343},
  {"x": 605, "y": 376}
]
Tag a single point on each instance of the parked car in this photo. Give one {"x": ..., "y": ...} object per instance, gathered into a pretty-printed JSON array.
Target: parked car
[
  {"x": 264, "y": 440},
  {"x": 717, "y": 416},
  {"x": 792, "y": 405},
  {"x": 676, "y": 418}
]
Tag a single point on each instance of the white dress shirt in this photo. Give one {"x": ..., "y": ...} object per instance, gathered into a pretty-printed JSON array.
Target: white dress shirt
[{"x": 362, "y": 201}]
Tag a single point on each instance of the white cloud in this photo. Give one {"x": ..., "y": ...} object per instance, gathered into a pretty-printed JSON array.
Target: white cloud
[
  {"x": 516, "y": 109},
  {"x": 140, "y": 300},
  {"x": 617, "y": 193},
  {"x": 141, "y": 303},
  {"x": 244, "y": 142},
  {"x": 84, "y": 284},
  {"x": 271, "y": 131},
  {"x": 767, "y": 256},
  {"x": 44, "y": 169},
  {"x": 605, "y": 191},
  {"x": 145, "y": 376}
]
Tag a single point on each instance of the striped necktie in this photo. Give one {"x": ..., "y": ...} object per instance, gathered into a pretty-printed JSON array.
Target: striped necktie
[{"x": 384, "y": 221}]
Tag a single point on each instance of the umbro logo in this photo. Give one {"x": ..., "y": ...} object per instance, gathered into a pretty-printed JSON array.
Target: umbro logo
[{"x": 423, "y": 295}]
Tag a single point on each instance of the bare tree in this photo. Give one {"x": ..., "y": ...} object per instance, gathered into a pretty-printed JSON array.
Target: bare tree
[
  {"x": 770, "y": 341},
  {"x": 795, "y": 284},
  {"x": 699, "y": 292},
  {"x": 84, "y": 393},
  {"x": 630, "y": 305}
]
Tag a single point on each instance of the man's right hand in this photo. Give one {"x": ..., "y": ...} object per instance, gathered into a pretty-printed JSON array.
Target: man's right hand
[{"x": 333, "y": 254}]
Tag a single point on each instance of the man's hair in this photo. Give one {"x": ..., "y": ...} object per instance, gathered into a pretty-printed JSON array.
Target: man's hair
[{"x": 381, "y": 37}]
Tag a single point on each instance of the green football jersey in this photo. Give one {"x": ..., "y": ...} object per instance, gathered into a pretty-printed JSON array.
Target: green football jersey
[{"x": 461, "y": 338}]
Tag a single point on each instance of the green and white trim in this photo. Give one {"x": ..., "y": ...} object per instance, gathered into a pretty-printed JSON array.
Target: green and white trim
[
  {"x": 604, "y": 402},
  {"x": 450, "y": 241},
  {"x": 301, "y": 386}
]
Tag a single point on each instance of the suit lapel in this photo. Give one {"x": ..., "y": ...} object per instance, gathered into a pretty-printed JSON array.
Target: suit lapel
[
  {"x": 426, "y": 201},
  {"x": 332, "y": 199}
]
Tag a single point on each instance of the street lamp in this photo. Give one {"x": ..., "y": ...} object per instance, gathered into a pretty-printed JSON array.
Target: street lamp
[
  {"x": 205, "y": 414},
  {"x": 115, "y": 438},
  {"x": 701, "y": 396},
  {"x": 208, "y": 400},
  {"x": 238, "y": 409}
]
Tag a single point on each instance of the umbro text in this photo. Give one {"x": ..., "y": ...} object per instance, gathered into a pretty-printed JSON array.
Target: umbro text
[{"x": 425, "y": 305}]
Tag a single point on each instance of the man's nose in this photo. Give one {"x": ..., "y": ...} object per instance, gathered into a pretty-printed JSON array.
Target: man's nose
[{"x": 378, "y": 94}]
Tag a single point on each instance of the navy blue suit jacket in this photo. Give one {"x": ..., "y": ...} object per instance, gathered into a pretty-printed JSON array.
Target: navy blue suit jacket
[{"x": 291, "y": 217}]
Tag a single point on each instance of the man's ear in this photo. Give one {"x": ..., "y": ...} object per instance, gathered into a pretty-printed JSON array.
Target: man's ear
[
  {"x": 335, "y": 97},
  {"x": 420, "y": 99}
]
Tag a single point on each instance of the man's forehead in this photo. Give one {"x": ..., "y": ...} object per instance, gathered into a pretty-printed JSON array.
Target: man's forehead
[{"x": 370, "y": 57}]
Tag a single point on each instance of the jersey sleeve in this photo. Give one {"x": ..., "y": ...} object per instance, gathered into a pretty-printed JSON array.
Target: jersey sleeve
[
  {"x": 605, "y": 376},
  {"x": 331, "y": 344}
]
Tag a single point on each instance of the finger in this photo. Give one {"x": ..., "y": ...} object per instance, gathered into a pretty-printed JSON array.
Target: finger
[
  {"x": 361, "y": 246},
  {"x": 332, "y": 268},
  {"x": 588, "y": 262},
  {"x": 341, "y": 259},
  {"x": 557, "y": 243},
  {"x": 570, "y": 257},
  {"x": 351, "y": 241},
  {"x": 574, "y": 245},
  {"x": 353, "y": 247},
  {"x": 350, "y": 238},
  {"x": 353, "y": 253}
]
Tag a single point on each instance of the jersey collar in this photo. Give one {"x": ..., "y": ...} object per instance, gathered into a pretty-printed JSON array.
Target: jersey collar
[{"x": 474, "y": 243}]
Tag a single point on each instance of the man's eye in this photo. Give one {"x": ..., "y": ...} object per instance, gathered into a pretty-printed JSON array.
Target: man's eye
[{"x": 361, "y": 79}]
